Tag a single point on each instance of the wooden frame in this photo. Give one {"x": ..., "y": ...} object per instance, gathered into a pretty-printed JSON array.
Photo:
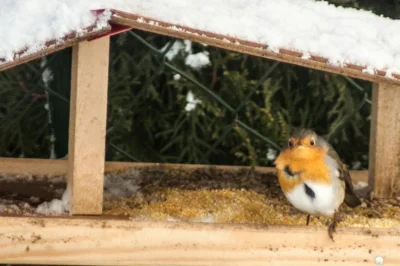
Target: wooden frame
[
  {"x": 385, "y": 141},
  {"x": 83, "y": 241},
  {"x": 385, "y": 181},
  {"x": 111, "y": 241},
  {"x": 87, "y": 130},
  {"x": 52, "y": 46},
  {"x": 105, "y": 241}
]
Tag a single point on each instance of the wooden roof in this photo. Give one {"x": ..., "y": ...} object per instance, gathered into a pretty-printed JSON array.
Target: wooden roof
[
  {"x": 52, "y": 46},
  {"x": 121, "y": 21}
]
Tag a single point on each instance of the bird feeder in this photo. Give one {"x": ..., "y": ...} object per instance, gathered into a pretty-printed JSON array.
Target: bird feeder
[{"x": 88, "y": 237}]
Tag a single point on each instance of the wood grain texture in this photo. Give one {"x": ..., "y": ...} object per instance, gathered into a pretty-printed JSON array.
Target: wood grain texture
[
  {"x": 384, "y": 160},
  {"x": 88, "y": 112},
  {"x": 20, "y": 166},
  {"x": 81, "y": 241},
  {"x": 226, "y": 42}
]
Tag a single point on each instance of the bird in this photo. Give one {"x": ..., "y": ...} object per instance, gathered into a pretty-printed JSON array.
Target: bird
[{"x": 313, "y": 178}]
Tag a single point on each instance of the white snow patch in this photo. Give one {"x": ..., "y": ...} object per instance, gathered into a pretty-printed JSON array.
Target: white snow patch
[
  {"x": 29, "y": 24},
  {"x": 115, "y": 186},
  {"x": 171, "y": 219},
  {"x": 56, "y": 206},
  {"x": 356, "y": 165},
  {"x": 360, "y": 185},
  {"x": 369, "y": 70},
  {"x": 188, "y": 46},
  {"x": 198, "y": 60},
  {"x": 342, "y": 35},
  {"x": 122, "y": 186},
  {"x": 177, "y": 77},
  {"x": 191, "y": 102},
  {"x": 174, "y": 50},
  {"x": 47, "y": 75},
  {"x": 306, "y": 56},
  {"x": 390, "y": 71},
  {"x": 273, "y": 49},
  {"x": 271, "y": 154},
  {"x": 207, "y": 219}
]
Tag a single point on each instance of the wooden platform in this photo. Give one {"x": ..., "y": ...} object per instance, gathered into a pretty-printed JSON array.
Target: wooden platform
[{"x": 101, "y": 241}]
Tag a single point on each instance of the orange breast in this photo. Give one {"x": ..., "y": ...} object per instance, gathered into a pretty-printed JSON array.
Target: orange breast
[{"x": 312, "y": 167}]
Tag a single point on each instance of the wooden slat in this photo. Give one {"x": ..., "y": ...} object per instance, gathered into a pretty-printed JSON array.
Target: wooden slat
[
  {"x": 120, "y": 242},
  {"x": 37, "y": 167},
  {"x": 52, "y": 46},
  {"x": 20, "y": 166},
  {"x": 242, "y": 46},
  {"x": 385, "y": 141},
  {"x": 86, "y": 151}
]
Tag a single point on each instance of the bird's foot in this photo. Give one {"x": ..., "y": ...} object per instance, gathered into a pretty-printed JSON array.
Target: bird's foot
[
  {"x": 332, "y": 229},
  {"x": 337, "y": 218},
  {"x": 308, "y": 220}
]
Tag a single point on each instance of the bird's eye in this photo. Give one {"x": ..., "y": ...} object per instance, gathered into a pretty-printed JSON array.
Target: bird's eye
[
  {"x": 290, "y": 143},
  {"x": 312, "y": 142}
]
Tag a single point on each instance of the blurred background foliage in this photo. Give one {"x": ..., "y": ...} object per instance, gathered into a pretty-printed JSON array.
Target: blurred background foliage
[{"x": 158, "y": 112}]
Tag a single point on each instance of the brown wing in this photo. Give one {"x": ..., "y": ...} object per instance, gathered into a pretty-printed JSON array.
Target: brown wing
[{"x": 350, "y": 197}]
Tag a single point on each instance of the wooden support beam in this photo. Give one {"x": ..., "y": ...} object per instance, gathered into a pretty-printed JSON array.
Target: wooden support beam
[
  {"x": 384, "y": 162},
  {"x": 79, "y": 241},
  {"x": 40, "y": 167},
  {"x": 86, "y": 151}
]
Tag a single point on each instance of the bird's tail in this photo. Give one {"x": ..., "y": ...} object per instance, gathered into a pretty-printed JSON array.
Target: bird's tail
[{"x": 351, "y": 199}]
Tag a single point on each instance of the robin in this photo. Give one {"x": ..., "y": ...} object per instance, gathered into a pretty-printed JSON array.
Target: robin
[{"x": 313, "y": 178}]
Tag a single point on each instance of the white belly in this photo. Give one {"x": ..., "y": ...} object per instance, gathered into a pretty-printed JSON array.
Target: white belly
[{"x": 326, "y": 201}]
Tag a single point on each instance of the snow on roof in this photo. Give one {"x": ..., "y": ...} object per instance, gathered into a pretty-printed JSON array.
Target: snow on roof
[
  {"x": 341, "y": 35},
  {"x": 29, "y": 27}
]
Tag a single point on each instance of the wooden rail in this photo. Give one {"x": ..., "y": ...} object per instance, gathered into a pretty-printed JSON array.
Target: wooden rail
[
  {"x": 54, "y": 168},
  {"x": 83, "y": 241}
]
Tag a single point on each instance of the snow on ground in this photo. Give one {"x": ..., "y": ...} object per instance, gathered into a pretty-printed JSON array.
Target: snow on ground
[
  {"x": 342, "y": 35},
  {"x": 115, "y": 186},
  {"x": 56, "y": 206}
]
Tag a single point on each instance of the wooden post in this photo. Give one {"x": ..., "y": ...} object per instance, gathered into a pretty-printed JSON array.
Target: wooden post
[
  {"x": 384, "y": 161},
  {"x": 87, "y": 128}
]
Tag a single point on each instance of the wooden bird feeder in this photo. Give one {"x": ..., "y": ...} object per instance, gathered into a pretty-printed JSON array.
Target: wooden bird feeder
[{"x": 87, "y": 237}]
